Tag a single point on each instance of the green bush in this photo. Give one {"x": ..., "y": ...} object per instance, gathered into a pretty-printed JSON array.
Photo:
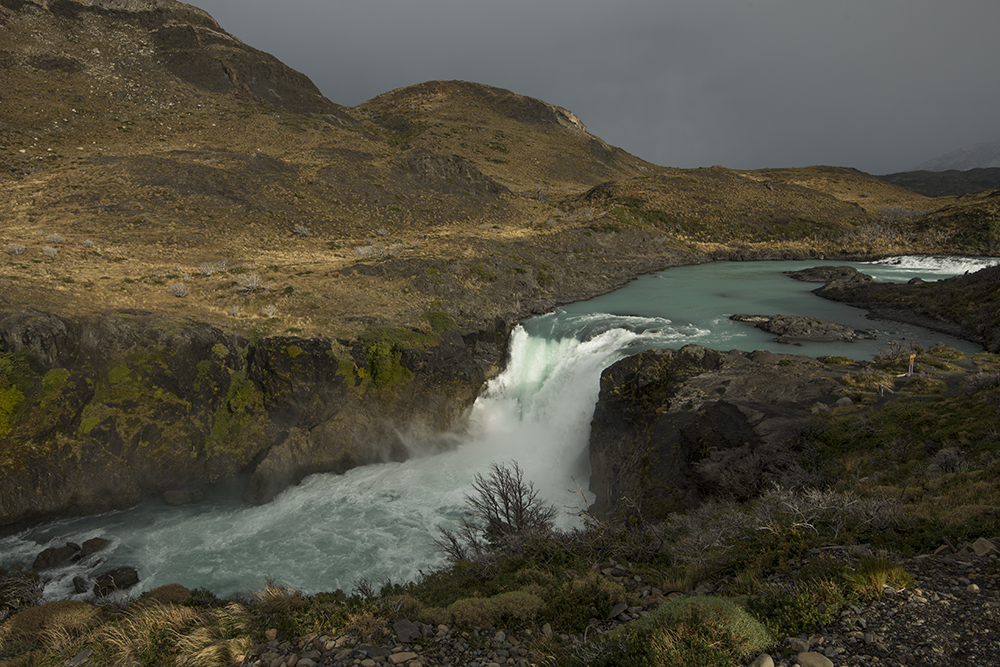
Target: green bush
[
  {"x": 440, "y": 321},
  {"x": 515, "y": 606},
  {"x": 683, "y": 632},
  {"x": 810, "y": 604}
]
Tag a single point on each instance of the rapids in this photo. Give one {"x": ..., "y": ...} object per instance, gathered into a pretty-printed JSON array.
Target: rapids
[{"x": 378, "y": 522}]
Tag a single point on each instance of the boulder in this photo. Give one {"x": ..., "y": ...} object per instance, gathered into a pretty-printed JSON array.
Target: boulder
[
  {"x": 54, "y": 556},
  {"x": 92, "y": 546},
  {"x": 118, "y": 579}
]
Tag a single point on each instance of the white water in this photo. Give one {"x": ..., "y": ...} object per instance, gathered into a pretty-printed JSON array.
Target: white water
[{"x": 379, "y": 521}]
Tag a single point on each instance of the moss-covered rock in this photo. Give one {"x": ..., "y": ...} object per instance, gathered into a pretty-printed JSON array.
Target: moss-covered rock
[{"x": 99, "y": 412}]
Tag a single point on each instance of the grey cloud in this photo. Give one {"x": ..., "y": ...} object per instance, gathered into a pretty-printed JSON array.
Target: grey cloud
[{"x": 880, "y": 85}]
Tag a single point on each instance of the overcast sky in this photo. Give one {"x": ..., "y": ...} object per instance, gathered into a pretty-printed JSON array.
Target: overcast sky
[{"x": 881, "y": 85}]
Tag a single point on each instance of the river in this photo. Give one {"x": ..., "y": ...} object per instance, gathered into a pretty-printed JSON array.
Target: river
[{"x": 379, "y": 521}]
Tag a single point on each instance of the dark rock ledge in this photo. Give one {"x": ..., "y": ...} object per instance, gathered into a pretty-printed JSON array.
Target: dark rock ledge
[
  {"x": 674, "y": 426},
  {"x": 795, "y": 329}
]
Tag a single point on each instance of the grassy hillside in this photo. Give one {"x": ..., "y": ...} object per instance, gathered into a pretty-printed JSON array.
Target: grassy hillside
[
  {"x": 163, "y": 162},
  {"x": 951, "y": 183}
]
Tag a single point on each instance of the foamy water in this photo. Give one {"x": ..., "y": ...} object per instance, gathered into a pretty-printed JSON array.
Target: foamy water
[{"x": 379, "y": 521}]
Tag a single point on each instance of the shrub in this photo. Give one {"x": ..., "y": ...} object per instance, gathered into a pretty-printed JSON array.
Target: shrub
[
  {"x": 800, "y": 609},
  {"x": 31, "y": 623},
  {"x": 250, "y": 283},
  {"x": 440, "y": 321},
  {"x": 375, "y": 250},
  {"x": 488, "y": 612},
  {"x": 87, "y": 243},
  {"x": 18, "y": 590},
  {"x": 685, "y": 632},
  {"x": 54, "y": 238},
  {"x": 179, "y": 290},
  {"x": 869, "y": 379},
  {"x": 506, "y": 508},
  {"x": 50, "y": 252},
  {"x": 834, "y": 360},
  {"x": 301, "y": 230},
  {"x": 269, "y": 311},
  {"x": 14, "y": 249},
  {"x": 875, "y": 573}
]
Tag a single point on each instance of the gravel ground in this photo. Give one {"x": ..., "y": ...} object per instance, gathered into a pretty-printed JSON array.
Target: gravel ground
[{"x": 949, "y": 617}]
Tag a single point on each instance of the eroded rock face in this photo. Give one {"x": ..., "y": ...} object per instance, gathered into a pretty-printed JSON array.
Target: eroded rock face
[
  {"x": 674, "y": 426},
  {"x": 100, "y": 412}
]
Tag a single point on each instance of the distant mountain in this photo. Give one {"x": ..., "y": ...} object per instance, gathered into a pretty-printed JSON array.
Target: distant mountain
[
  {"x": 951, "y": 183},
  {"x": 971, "y": 157}
]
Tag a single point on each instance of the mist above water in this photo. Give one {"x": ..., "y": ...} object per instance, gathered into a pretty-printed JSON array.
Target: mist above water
[{"x": 379, "y": 521}]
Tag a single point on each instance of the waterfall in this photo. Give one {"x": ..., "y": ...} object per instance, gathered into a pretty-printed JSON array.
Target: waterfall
[{"x": 379, "y": 521}]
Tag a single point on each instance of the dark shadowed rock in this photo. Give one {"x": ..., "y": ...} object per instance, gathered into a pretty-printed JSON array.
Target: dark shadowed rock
[
  {"x": 182, "y": 496},
  {"x": 829, "y": 274},
  {"x": 54, "y": 556},
  {"x": 93, "y": 545},
  {"x": 406, "y": 631},
  {"x": 81, "y": 585},
  {"x": 672, "y": 427},
  {"x": 119, "y": 579},
  {"x": 213, "y": 407}
]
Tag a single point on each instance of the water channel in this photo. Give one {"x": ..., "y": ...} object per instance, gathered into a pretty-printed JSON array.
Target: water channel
[{"x": 379, "y": 521}]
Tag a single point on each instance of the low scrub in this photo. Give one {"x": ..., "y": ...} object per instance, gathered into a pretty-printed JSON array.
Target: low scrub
[{"x": 683, "y": 632}]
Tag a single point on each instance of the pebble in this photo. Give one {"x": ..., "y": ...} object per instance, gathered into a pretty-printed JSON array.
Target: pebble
[{"x": 941, "y": 622}]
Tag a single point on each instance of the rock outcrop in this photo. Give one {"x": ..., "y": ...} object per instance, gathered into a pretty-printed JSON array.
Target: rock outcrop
[
  {"x": 97, "y": 413},
  {"x": 963, "y": 306},
  {"x": 830, "y": 274},
  {"x": 672, "y": 427},
  {"x": 795, "y": 329}
]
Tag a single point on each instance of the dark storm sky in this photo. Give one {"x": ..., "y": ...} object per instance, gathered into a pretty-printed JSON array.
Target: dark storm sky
[{"x": 881, "y": 85}]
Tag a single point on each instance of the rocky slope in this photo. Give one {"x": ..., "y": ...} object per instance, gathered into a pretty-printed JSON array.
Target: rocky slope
[
  {"x": 964, "y": 306},
  {"x": 947, "y": 183}
]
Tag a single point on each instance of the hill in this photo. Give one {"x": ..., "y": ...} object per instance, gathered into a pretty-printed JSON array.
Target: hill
[
  {"x": 984, "y": 155},
  {"x": 159, "y": 149},
  {"x": 213, "y": 274},
  {"x": 950, "y": 183}
]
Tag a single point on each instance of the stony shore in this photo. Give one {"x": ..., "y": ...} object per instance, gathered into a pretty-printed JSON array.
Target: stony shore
[{"x": 949, "y": 617}]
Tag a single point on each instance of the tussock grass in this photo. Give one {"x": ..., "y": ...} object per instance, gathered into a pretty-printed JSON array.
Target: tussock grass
[{"x": 875, "y": 574}]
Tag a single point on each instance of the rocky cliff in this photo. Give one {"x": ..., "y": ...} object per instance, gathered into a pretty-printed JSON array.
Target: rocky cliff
[
  {"x": 97, "y": 413},
  {"x": 672, "y": 427}
]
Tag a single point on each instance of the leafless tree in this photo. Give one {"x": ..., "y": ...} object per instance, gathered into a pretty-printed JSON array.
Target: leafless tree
[
  {"x": 505, "y": 507},
  {"x": 507, "y": 503}
]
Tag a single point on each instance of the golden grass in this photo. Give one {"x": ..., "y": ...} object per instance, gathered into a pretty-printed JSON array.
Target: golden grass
[{"x": 875, "y": 573}]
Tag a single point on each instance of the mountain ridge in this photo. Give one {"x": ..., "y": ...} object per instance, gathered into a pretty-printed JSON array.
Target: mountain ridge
[{"x": 984, "y": 155}]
